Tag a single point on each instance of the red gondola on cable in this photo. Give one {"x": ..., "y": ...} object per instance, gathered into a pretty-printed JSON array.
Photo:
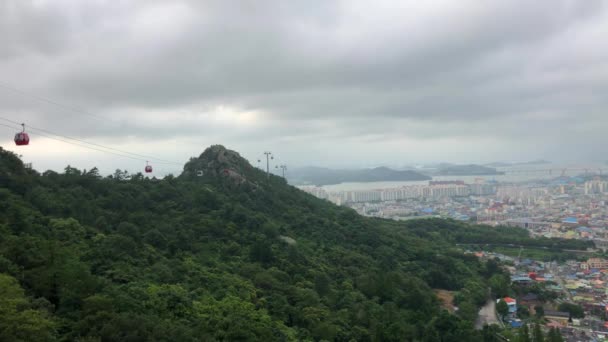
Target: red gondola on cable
[
  {"x": 22, "y": 138},
  {"x": 148, "y": 168}
]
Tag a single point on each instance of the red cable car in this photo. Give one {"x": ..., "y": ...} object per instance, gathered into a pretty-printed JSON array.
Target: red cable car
[
  {"x": 148, "y": 168},
  {"x": 22, "y": 138}
]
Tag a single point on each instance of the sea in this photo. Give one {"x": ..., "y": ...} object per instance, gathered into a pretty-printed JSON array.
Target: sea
[{"x": 522, "y": 173}]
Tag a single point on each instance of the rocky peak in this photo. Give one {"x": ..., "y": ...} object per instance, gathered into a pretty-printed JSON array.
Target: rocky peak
[{"x": 218, "y": 161}]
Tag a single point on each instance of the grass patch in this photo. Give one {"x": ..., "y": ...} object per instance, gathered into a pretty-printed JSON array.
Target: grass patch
[{"x": 536, "y": 253}]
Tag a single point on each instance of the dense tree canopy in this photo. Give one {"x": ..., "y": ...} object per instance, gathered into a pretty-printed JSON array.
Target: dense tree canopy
[{"x": 227, "y": 256}]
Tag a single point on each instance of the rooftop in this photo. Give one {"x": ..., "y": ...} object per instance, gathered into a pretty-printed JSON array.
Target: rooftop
[
  {"x": 561, "y": 314},
  {"x": 509, "y": 300}
]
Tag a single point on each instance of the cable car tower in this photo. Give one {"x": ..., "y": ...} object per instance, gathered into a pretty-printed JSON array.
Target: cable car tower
[
  {"x": 283, "y": 168},
  {"x": 269, "y": 156}
]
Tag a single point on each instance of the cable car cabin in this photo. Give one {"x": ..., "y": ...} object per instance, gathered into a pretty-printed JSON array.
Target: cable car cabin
[
  {"x": 148, "y": 169},
  {"x": 21, "y": 139}
]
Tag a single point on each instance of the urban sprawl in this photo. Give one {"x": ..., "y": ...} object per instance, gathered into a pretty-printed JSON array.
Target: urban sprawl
[
  {"x": 565, "y": 207},
  {"x": 571, "y": 208}
]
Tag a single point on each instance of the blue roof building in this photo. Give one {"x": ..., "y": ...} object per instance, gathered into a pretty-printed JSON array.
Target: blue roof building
[
  {"x": 516, "y": 323},
  {"x": 583, "y": 229}
]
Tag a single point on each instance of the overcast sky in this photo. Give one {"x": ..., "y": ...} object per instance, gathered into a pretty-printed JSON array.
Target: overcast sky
[{"x": 329, "y": 83}]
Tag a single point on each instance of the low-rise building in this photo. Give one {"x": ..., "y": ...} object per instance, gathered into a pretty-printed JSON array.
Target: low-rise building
[
  {"x": 557, "y": 316},
  {"x": 597, "y": 263}
]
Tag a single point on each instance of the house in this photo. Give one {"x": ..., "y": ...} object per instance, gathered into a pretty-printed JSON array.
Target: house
[
  {"x": 597, "y": 263},
  {"x": 511, "y": 304},
  {"x": 529, "y": 300},
  {"x": 557, "y": 316},
  {"x": 522, "y": 280}
]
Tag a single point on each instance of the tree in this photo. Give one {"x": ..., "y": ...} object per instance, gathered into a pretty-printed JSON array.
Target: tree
[
  {"x": 261, "y": 251},
  {"x": 492, "y": 266},
  {"x": 539, "y": 311},
  {"x": 121, "y": 175},
  {"x": 322, "y": 284},
  {"x": 94, "y": 172},
  {"x": 467, "y": 310},
  {"x": 537, "y": 334},
  {"x": 502, "y": 308},
  {"x": 575, "y": 311},
  {"x": 72, "y": 171},
  {"x": 499, "y": 283},
  {"x": 18, "y": 320},
  {"x": 523, "y": 312},
  {"x": 524, "y": 334},
  {"x": 554, "y": 336},
  {"x": 489, "y": 333}
]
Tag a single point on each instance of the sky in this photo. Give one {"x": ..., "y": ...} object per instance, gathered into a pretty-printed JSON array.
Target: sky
[{"x": 348, "y": 83}]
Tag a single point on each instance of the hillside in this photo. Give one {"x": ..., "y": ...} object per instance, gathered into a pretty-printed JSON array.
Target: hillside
[
  {"x": 220, "y": 253},
  {"x": 323, "y": 176}
]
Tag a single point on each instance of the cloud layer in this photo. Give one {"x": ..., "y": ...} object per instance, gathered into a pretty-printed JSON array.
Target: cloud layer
[{"x": 397, "y": 81}]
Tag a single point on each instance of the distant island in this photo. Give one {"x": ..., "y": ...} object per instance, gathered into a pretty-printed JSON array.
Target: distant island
[
  {"x": 324, "y": 176},
  {"x": 465, "y": 170}
]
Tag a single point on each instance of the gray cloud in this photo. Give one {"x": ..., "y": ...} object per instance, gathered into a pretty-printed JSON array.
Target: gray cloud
[{"x": 431, "y": 77}]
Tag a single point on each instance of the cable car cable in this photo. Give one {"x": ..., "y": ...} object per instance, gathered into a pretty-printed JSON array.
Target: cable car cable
[
  {"x": 49, "y": 101},
  {"x": 89, "y": 147},
  {"x": 74, "y": 110},
  {"x": 158, "y": 160}
]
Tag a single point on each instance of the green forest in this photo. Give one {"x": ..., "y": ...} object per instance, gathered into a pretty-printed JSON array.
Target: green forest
[{"x": 223, "y": 253}]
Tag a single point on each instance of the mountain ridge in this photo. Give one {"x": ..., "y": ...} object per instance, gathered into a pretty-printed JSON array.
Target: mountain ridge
[{"x": 219, "y": 257}]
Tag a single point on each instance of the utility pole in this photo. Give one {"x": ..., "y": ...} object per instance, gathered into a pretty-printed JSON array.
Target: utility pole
[{"x": 268, "y": 157}]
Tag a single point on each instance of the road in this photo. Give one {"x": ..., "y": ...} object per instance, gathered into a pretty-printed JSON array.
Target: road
[{"x": 487, "y": 315}]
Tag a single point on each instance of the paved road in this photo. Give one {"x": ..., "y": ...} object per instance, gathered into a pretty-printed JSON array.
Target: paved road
[{"x": 487, "y": 315}]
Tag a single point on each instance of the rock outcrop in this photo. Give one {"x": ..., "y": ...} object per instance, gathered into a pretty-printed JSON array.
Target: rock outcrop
[{"x": 220, "y": 162}]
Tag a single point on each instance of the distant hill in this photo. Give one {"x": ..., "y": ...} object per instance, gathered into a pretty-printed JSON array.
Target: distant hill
[
  {"x": 467, "y": 170},
  {"x": 498, "y": 164},
  {"x": 324, "y": 176}
]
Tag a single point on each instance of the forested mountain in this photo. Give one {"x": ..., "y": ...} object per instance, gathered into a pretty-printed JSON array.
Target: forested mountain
[{"x": 220, "y": 253}]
